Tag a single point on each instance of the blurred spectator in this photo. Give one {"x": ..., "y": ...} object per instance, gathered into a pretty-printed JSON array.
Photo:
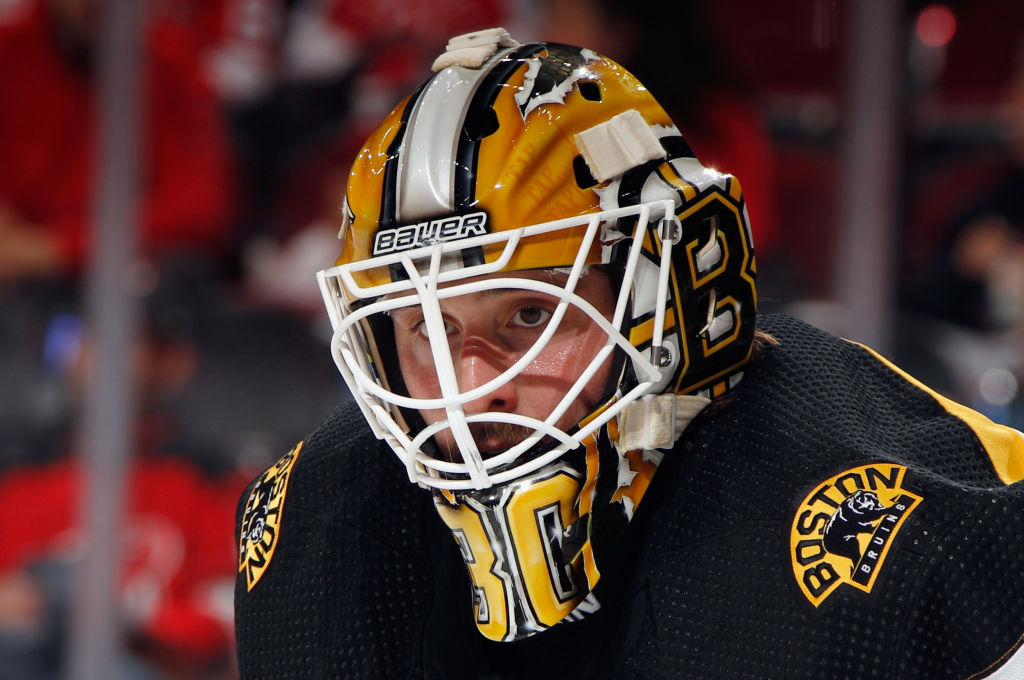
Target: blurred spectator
[
  {"x": 279, "y": 273},
  {"x": 49, "y": 94},
  {"x": 967, "y": 305},
  {"x": 238, "y": 43},
  {"x": 381, "y": 46},
  {"x": 48, "y": 88},
  {"x": 174, "y": 586},
  {"x": 676, "y": 55},
  {"x": 177, "y": 557},
  {"x": 976, "y": 279},
  {"x": 344, "y": 65}
]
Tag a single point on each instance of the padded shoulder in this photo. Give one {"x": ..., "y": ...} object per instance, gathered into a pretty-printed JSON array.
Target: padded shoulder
[
  {"x": 846, "y": 395},
  {"x": 334, "y": 577}
]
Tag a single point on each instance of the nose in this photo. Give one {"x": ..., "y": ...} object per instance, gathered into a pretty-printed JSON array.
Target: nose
[{"x": 477, "y": 366}]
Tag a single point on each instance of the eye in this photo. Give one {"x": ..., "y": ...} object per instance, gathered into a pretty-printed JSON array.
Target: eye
[
  {"x": 420, "y": 329},
  {"x": 531, "y": 316}
]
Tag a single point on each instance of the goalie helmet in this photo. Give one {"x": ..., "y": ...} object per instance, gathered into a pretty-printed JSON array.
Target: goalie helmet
[{"x": 539, "y": 168}]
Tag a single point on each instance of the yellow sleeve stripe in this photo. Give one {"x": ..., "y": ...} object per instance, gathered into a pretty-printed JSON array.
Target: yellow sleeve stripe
[{"x": 1004, "y": 445}]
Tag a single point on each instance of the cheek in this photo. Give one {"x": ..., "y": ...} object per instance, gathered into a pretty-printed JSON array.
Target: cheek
[
  {"x": 421, "y": 383},
  {"x": 557, "y": 361},
  {"x": 418, "y": 372},
  {"x": 567, "y": 361}
]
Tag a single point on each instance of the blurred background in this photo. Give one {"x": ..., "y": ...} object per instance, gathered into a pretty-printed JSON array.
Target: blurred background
[{"x": 171, "y": 174}]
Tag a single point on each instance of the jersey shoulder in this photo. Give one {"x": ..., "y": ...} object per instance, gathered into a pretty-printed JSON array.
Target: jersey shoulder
[
  {"x": 333, "y": 577},
  {"x": 842, "y": 387}
]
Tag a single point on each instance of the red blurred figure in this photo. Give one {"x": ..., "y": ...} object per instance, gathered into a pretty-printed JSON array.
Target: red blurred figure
[
  {"x": 717, "y": 116},
  {"x": 177, "y": 558},
  {"x": 47, "y": 180},
  {"x": 347, "y": 63}
]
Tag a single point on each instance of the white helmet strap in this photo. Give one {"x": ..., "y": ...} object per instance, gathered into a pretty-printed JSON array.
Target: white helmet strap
[
  {"x": 471, "y": 50},
  {"x": 619, "y": 144},
  {"x": 657, "y": 421}
]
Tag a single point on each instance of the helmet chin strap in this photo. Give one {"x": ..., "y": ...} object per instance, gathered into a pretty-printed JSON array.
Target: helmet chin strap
[{"x": 657, "y": 421}]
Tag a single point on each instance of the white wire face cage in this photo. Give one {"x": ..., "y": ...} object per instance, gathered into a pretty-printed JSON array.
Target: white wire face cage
[{"x": 437, "y": 272}]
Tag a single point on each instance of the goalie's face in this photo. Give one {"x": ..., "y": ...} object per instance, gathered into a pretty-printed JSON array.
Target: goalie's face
[{"x": 487, "y": 333}]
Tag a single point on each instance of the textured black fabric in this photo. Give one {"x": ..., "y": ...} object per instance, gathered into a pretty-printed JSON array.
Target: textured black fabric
[
  {"x": 349, "y": 585},
  {"x": 367, "y": 583}
]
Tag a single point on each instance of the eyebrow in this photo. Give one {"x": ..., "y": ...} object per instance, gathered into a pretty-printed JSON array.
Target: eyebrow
[
  {"x": 552, "y": 279},
  {"x": 494, "y": 292},
  {"x": 490, "y": 293}
]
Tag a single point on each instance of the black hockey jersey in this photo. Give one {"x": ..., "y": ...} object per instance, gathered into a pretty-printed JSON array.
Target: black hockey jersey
[{"x": 835, "y": 520}]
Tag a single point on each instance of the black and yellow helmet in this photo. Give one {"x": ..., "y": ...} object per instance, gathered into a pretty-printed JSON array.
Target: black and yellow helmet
[{"x": 521, "y": 157}]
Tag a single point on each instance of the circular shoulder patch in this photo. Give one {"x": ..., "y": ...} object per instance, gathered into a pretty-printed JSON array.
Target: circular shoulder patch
[
  {"x": 261, "y": 521},
  {"x": 843, "y": 529}
]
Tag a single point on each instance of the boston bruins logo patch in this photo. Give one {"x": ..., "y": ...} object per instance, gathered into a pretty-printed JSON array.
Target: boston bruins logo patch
[
  {"x": 261, "y": 522},
  {"x": 843, "y": 529}
]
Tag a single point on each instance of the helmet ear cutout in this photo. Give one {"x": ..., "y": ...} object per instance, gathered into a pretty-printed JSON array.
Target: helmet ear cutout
[{"x": 584, "y": 178}]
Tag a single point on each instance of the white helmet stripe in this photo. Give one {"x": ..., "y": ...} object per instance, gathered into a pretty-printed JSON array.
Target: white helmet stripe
[{"x": 426, "y": 176}]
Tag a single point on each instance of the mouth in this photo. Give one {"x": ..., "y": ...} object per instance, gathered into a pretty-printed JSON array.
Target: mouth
[{"x": 491, "y": 439}]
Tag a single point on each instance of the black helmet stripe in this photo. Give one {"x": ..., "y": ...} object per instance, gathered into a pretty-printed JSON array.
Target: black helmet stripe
[
  {"x": 478, "y": 120},
  {"x": 632, "y": 183}
]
